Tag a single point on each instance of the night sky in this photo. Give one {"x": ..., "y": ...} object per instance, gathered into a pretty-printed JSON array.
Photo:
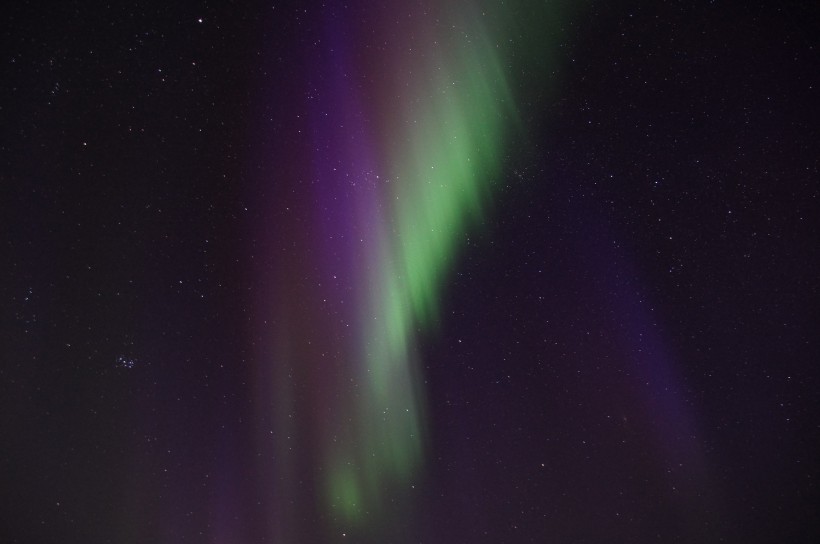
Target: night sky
[{"x": 409, "y": 272}]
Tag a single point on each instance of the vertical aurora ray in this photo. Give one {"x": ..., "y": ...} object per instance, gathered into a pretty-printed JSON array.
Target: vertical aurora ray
[
  {"x": 440, "y": 149},
  {"x": 406, "y": 141}
]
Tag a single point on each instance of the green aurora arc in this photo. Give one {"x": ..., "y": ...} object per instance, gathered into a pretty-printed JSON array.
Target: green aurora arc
[
  {"x": 444, "y": 156},
  {"x": 446, "y": 115}
]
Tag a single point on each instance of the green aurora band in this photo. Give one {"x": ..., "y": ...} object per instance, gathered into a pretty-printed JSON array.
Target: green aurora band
[
  {"x": 435, "y": 113},
  {"x": 445, "y": 151}
]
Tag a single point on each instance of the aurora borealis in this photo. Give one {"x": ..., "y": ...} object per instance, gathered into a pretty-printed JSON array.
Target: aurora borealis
[
  {"x": 437, "y": 156},
  {"x": 398, "y": 196},
  {"x": 409, "y": 272}
]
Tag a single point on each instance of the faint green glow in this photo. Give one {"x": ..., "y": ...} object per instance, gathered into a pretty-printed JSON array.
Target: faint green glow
[{"x": 345, "y": 492}]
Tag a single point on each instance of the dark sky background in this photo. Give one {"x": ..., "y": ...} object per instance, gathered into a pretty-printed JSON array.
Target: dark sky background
[{"x": 628, "y": 349}]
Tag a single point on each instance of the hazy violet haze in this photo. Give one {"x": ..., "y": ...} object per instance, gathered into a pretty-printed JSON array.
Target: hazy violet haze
[{"x": 409, "y": 272}]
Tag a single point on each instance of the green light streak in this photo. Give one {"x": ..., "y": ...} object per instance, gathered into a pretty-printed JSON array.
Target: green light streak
[{"x": 444, "y": 154}]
